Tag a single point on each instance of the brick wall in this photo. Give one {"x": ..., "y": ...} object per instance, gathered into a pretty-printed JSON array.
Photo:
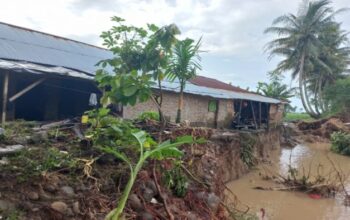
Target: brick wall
[{"x": 195, "y": 109}]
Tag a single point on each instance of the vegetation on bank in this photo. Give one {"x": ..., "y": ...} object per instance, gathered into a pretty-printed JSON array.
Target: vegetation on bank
[
  {"x": 341, "y": 143},
  {"x": 295, "y": 116}
]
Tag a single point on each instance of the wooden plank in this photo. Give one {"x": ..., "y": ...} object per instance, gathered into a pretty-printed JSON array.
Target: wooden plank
[
  {"x": 4, "y": 97},
  {"x": 240, "y": 112},
  {"x": 216, "y": 117},
  {"x": 259, "y": 114},
  {"x": 254, "y": 117},
  {"x": 26, "y": 89}
]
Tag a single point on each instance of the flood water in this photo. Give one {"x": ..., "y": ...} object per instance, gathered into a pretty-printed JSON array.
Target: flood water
[{"x": 286, "y": 205}]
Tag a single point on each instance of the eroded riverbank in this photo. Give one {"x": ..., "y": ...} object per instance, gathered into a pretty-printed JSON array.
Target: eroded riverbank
[{"x": 293, "y": 205}]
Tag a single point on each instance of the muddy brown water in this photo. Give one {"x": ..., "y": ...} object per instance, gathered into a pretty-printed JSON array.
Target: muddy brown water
[{"x": 283, "y": 205}]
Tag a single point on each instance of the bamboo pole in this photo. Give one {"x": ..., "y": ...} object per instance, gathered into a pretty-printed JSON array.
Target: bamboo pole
[{"x": 4, "y": 97}]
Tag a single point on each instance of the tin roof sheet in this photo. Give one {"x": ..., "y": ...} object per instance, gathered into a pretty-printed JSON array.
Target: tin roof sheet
[{"x": 23, "y": 49}]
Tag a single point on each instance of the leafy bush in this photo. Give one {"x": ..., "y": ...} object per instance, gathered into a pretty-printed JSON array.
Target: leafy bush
[
  {"x": 340, "y": 143},
  {"x": 176, "y": 180},
  {"x": 148, "y": 116},
  {"x": 337, "y": 95},
  {"x": 107, "y": 130}
]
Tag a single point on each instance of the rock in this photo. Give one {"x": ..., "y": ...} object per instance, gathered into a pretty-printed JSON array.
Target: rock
[
  {"x": 213, "y": 202},
  {"x": 67, "y": 190},
  {"x": 50, "y": 188},
  {"x": 33, "y": 195},
  {"x": 11, "y": 149},
  {"x": 145, "y": 216},
  {"x": 76, "y": 208},
  {"x": 39, "y": 137},
  {"x": 2, "y": 132},
  {"x": 6, "y": 205},
  {"x": 150, "y": 184},
  {"x": 70, "y": 212},
  {"x": 191, "y": 216},
  {"x": 148, "y": 194},
  {"x": 135, "y": 202},
  {"x": 200, "y": 195},
  {"x": 4, "y": 161},
  {"x": 21, "y": 140},
  {"x": 59, "y": 206}
]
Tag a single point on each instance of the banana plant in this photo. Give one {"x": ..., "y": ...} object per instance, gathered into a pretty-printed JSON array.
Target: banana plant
[{"x": 161, "y": 151}]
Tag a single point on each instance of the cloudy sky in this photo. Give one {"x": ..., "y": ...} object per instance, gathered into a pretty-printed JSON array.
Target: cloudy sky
[{"x": 232, "y": 30}]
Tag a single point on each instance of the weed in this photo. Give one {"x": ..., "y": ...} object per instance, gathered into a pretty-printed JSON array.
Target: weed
[
  {"x": 176, "y": 180},
  {"x": 341, "y": 143},
  {"x": 247, "y": 150},
  {"x": 148, "y": 116}
]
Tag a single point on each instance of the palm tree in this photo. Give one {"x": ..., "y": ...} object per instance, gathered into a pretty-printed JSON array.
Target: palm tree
[
  {"x": 300, "y": 42},
  {"x": 183, "y": 66}
]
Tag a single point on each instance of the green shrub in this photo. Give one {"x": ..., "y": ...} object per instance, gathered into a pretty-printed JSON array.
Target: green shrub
[
  {"x": 176, "y": 180},
  {"x": 340, "y": 143},
  {"x": 337, "y": 95},
  {"x": 149, "y": 116},
  {"x": 107, "y": 130}
]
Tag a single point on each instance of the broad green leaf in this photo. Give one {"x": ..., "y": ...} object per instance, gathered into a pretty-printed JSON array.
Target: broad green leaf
[{"x": 129, "y": 91}]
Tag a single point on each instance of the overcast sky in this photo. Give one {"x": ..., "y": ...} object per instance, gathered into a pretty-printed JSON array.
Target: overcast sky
[{"x": 232, "y": 30}]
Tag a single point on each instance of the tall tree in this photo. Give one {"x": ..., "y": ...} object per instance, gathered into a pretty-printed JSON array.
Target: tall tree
[
  {"x": 301, "y": 41},
  {"x": 183, "y": 66}
]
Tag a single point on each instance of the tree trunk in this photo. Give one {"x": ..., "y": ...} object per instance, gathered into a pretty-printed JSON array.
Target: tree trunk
[
  {"x": 301, "y": 79},
  {"x": 316, "y": 97},
  {"x": 180, "y": 104},
  {"x": 320, "y": 97},
  {"x": 160, "y": 102},
  {"x": 308, "y": 102}
]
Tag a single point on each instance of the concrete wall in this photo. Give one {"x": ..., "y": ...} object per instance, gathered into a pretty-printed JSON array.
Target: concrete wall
[{"x": 195, "y": 110}]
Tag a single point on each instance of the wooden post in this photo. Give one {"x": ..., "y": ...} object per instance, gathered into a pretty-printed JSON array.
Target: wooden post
[
  {"x": 216, "y": 117},
  {"x": 4, "y": 97},
  {"x": 240, "y": 112},
  {"x": 259, "y": 114},
  {"x": 251, "y": 105}
]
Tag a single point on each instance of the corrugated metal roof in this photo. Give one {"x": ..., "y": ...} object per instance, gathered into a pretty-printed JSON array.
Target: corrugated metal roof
[
  {"x": 214, "y": 83},
  {"x": 23, "y": 49},
  {"x": 22, "y": 44},
  {"x": 217, "y": 93}
]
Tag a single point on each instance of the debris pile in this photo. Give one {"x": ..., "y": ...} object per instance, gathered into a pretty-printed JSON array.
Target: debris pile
[{"x": 321, "y": 130}]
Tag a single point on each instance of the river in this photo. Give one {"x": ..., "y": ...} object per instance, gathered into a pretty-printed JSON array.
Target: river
[{"x": 283, "y": 205}]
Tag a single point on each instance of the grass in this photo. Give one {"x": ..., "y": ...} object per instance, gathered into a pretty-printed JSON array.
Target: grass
[{"x": 297, "y": 117}]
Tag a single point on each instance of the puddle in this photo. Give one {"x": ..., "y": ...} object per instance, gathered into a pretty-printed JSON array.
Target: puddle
[{"x": 281, "y": 205}]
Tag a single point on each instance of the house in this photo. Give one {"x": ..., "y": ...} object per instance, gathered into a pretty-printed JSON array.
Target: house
[
  {"x": 47, "y": 77},
  {"x": 212, "y": 103}
]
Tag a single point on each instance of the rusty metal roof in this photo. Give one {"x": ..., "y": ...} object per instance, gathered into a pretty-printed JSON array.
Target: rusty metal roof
[
  {"x": 215, "y": 84},
  {"x": 22, "y": 44}
]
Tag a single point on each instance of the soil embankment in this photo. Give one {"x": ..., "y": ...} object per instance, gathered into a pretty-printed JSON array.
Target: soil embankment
[{"x": 56, "y": 175}]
